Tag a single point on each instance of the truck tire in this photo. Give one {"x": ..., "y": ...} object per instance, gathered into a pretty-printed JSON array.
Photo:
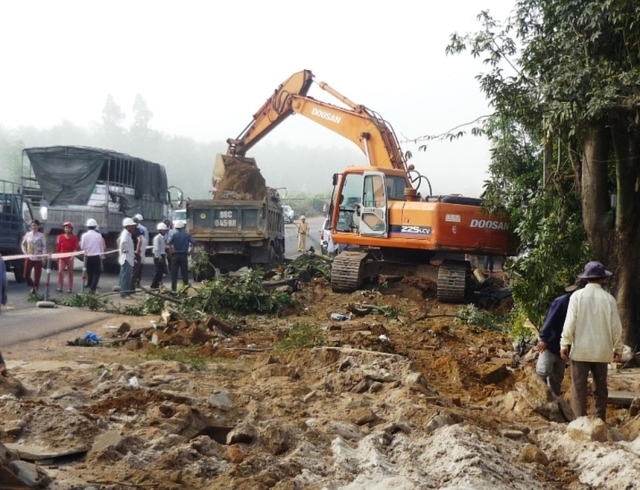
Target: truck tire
[{"x": 18, "y": 270}]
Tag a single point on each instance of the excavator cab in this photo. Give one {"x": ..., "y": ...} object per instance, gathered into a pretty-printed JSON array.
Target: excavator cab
[{"x": 373, "y": 210}]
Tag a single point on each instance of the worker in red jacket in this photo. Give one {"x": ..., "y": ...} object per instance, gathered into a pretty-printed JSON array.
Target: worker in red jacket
[{"x": 67, "y": 243}]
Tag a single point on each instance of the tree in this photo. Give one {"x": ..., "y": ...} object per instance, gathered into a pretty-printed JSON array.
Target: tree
[
  {"x": 112, "y": 119},
  {"x": 573, "y": 90}
]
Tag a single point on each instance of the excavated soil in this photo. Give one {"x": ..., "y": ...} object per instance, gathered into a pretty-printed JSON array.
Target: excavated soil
[
  {"x": 416, "y": 402},
  {"x": 241, "y": 181}
]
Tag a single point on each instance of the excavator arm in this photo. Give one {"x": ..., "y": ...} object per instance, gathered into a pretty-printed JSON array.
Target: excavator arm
[
  {"x": 373, "y": 135},
  {"x": 275, "y": 110}
]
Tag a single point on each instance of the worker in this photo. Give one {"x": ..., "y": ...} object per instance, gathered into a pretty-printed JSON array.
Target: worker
[
  {"x": 159, "y": 255},
  {"x": 140, "y": 237},
  {"x": 34, "y": 244},
  {"x": 591, "y": 338},
  {"x": 126, "y": 251},
  {"x": 550, "y": 366},
  {"x": 181, "y": 244},
  {"x": 94, "y": 247},
  {"x": 67, "y": 243},
  {"x": 303, "y": 231}
]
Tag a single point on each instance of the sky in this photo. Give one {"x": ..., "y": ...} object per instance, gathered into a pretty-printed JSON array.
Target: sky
[{"x": 205, "y": 67}]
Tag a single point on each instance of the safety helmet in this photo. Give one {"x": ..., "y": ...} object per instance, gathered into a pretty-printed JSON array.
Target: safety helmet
[
  {"x": 138, "y": 217},
  {"x": 91, "y": 222},
  {"x": 303, "y": 217},
  {"x": 180, "y": 224},
  {"x": 128, "y": 222},
  {"x": 162, "y": 227},
  {"x": 68, "y": 223}
]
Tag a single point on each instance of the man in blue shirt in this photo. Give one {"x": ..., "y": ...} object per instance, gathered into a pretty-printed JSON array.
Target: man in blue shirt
[
  {"x": 181, "y": 244},
  {"x": 550, "y": 366}
]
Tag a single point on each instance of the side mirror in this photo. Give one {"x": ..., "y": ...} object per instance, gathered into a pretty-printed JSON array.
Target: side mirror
[{"x": 180, "y": 199}]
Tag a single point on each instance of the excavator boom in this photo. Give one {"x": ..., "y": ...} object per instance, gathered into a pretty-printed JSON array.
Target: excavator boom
[{"x": 373, "y": 135}]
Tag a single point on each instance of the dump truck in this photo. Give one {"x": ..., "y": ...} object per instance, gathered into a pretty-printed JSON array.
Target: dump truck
[
  {"x": 76, "y": 183},
  {"x": 242, "y": 226}
]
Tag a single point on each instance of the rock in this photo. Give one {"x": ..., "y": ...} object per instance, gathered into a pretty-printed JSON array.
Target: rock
[
  {"x": 362, "y": 416},
  {"x": 29, "y": 474},
  {"x": 345, "y": 429},
  {"x": 7, "y": 455},
  {"x": 176, "y": 476},
  {"x": 123, "y": 328},
  {"x": 490, "y": 373},
  {"x": 512, "y": 434},
  {"x": 416, "y": 382},
  {"x": 14, "y": 427},
  {"x": 275, "y": 438},
  {"x": 376, "y": 387},
  {"x": 234, "y": 454},
  {"x": 221, "y": 401},
  {"x": 107, "y": 445},
  {"x": 10, "y": 386},
  {"x": 588, "y": 429},
  {"x": 243, "y": 433},
  {"x": 533, "y": 454},
  {"x": 440, "y": 420},
  {"x": 634, "y": 408}
]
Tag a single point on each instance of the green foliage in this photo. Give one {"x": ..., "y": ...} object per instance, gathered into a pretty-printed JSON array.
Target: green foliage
[
  {"x": 244, "y": 294},
  {"x": 301, "y": 335},
  {"x": 304, "y": 204},
  {"x": 315, "y": 265},
  {"x": 90, "y": 301},
  {"x": 486, "y": 320},
  {"x": 187, "y": 356}
]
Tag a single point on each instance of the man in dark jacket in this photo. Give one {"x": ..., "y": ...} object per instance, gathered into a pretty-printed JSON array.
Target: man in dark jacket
[{"x": 550, "y": 366}]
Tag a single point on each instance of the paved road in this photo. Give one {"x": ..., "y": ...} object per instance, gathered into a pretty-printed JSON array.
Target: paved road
[{"x": 22, "y": 320}]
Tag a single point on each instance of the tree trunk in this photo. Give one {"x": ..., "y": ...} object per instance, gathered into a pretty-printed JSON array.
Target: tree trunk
[
  {"x": 626, "y": 282},
  {"x": 596, "y": 202}
]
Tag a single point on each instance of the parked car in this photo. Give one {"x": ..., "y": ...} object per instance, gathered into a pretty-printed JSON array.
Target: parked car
[
  {"x": 287, "y": 212},
  {"x": 327, "y": 247}
]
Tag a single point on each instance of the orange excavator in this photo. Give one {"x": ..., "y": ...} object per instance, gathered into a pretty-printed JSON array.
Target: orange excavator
[{"x": 379, "y": 219}]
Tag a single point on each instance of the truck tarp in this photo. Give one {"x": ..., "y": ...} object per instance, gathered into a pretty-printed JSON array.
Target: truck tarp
[{"x": 68, "y": 174}]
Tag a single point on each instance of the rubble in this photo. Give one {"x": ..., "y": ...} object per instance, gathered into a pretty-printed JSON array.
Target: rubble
[{"x": 219, "y": 403}]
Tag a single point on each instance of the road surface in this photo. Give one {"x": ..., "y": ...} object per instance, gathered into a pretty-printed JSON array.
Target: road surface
[{"x": 22, "y": 320}]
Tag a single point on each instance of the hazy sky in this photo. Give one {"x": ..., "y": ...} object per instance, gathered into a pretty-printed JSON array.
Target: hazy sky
[{"x": 204, "y": 68}]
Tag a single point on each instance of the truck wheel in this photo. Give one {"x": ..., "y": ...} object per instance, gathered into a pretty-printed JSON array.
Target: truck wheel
[{"x": 18, "y": 270}]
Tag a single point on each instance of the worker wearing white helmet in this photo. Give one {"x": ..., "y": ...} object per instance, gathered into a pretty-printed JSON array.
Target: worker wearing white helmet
[
  {"x": 303, "y": 232},
  {"x": 126, "y": 252},
  {"x": 141, "y": 250},
  {"x": 159, "y": 255},
  {"x": 94, "y": 247}
]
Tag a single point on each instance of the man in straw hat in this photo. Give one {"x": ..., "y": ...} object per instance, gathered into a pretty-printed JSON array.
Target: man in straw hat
[{"x": 591, "y": 338}]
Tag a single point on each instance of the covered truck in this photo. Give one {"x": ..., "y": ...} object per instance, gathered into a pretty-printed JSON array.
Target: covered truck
[
  {"x": 75, "y": 183},
  {"x": 15, "y": 216}
]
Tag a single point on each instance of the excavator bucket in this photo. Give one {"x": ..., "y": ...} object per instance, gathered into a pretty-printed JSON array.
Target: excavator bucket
[{"x": 236, "y": 177}]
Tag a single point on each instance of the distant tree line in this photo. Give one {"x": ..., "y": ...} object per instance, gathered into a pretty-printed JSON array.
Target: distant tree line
[{"x": 189, "y": 163}]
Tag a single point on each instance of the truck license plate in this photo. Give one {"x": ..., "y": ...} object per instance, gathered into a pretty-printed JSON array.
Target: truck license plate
[{"x": 225, "y": 219}]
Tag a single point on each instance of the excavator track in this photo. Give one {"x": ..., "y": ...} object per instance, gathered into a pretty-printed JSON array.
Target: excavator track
[
  {"x": 452, "y": 281},
  {"x": 346, "y": 272}
]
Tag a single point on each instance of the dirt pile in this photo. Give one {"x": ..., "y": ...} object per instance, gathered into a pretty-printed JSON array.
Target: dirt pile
[
  {"x": 407, "y": 401},
  {"x": 239, "y": 179}
]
